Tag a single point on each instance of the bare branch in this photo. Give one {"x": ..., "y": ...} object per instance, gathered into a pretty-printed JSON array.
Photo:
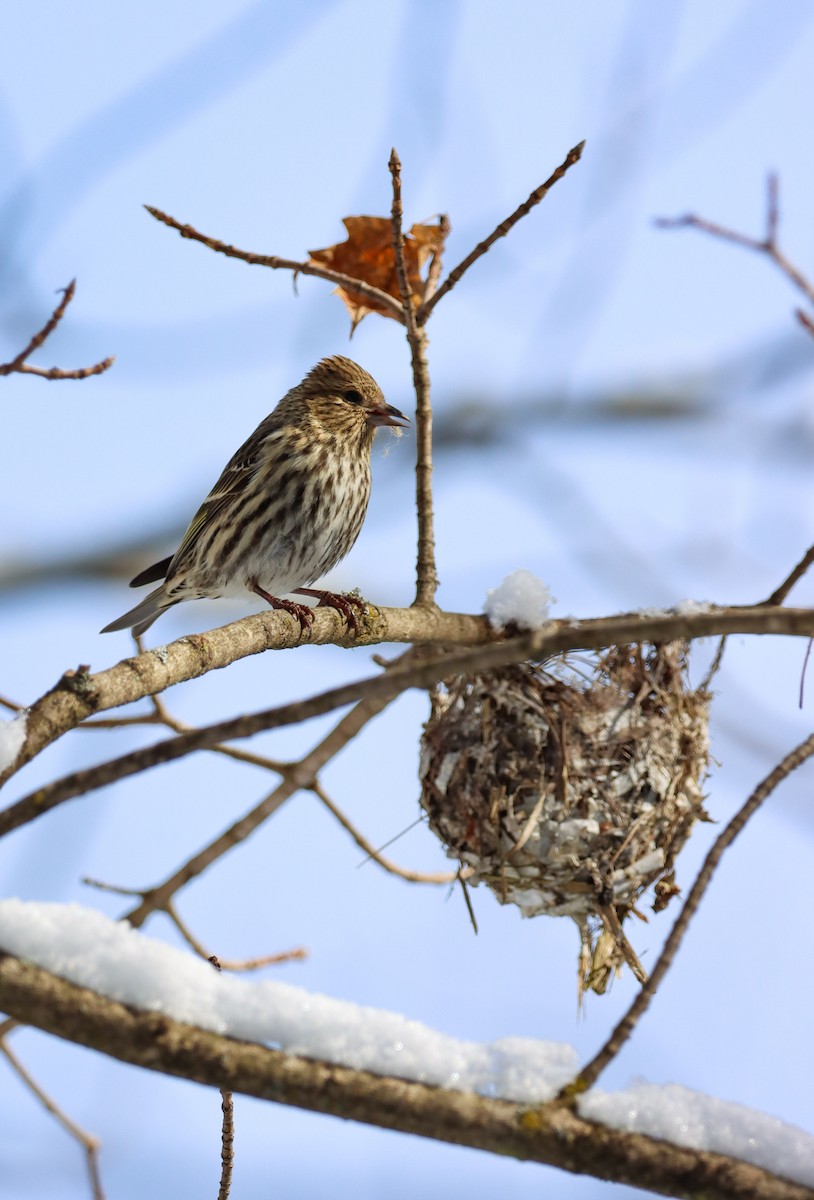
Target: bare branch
[
  {"x": 19, "y": 365},
  {"x": 397, "y": 214},
  {"x": 87, "y": 1141},
  {"x": 780, "y": 593},
  {"x": 235, "y": 965},
  {"x": 550, "y": 1133},
  {"x": 163, "y": 716},
  {"x": 285, "y": 264},
  {"x": 227, "y": 1142},
  {"x": 300, "y": 775},
  {"x": 766, "y": 245},
  {"x": 573, "y": 156},
  {"x": 227, "y": 1136},
  {"x": 553, "y": 639},
  {"x": 591, "y": 1071},
  {"x": 370, "y": 850},
  {"x": 426, "y": 573},
  {"x": 78, "y": 694},
  {"x": 436, "y": 259}
]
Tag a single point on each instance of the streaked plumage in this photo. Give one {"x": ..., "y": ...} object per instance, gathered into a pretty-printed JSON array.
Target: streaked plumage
[{"x": 288, "y": 505}]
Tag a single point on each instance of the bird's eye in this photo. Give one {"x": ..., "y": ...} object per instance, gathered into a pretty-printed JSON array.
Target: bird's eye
[{"x": 354, "y": 397}]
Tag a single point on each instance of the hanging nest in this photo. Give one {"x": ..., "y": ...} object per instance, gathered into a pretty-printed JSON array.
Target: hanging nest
[{"x": 569, "y": 788}]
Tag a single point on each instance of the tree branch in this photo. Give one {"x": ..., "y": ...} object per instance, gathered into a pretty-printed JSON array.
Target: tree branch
[
  {"x": 285, "y": 264},
  {"x": 236, "y": 965},
  {"x": 426, "y": 573},
  {"x": 556, "y": 638},
  {"x": 78, "y": 694},
  {"x": 766, "y": 245},
  {"x": 19, "y": 365},
  {"x": 440, "y": 877},
  {"x": 87, "y": 1141},
  {"x": 794, "y": 576},
  {"x": 573, "y": 156},
  {"x": 549, "y": 1133},
  {"x": 300, "y": 775}
]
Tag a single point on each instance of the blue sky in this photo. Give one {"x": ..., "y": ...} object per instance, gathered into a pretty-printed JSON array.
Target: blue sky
[{"x": 264, "y": 124}]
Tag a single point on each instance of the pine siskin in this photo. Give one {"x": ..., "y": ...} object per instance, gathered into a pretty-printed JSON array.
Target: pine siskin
[{"x": 288, "y": 506}]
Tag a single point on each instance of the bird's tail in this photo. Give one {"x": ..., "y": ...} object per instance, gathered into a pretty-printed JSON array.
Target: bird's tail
[{"x": 145, "y": 612}]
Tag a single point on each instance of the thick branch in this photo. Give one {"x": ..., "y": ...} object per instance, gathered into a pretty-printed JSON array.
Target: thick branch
[
  {"x": 78, "y": 694},
  {"x": 547, "y": 1134},
  {"x": 76, "y": 698},
  {"x": 285, "y": 264}
]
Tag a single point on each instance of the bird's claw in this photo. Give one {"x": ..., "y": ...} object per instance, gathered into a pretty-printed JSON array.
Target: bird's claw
[
  {"x": 302, "y": 612},
  {"x": 344, "y": 604}
]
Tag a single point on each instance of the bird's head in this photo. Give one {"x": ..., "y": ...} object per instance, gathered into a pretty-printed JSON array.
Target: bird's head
[{"x": 342, "y": 400}]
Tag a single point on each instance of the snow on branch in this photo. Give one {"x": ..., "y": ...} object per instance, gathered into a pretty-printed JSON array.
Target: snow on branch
[{"x": 148, "y": 1003}]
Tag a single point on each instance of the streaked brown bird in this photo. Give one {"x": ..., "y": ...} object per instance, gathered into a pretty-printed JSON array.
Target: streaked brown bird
[{"x": 288, "y": 506}]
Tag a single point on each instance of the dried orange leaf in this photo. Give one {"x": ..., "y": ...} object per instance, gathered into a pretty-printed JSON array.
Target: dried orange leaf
[{"x": 368, "y": 255}]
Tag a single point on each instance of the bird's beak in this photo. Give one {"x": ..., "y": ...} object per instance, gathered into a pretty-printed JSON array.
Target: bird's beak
[{"x": 387, "y": 415}]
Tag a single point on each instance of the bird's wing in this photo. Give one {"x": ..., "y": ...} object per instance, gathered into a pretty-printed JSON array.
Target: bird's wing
[{"x": 234, "y": 478}]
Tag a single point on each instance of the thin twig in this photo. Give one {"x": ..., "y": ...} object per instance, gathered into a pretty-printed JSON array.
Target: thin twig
[
  {"x": 18, "y": 365},
  {"x": 163, "y": 714},
  {"x": 11, "y": 705},
  {"x": 227, "y": 964},
  {"x": 802, "y": 692},
  {"x": 236, "y": 965},
  {"x": 301, "y": 775},
  {"x": 426, "y": 573},
  {"x": 502, "y": 229},
  {"x": 794, "y": 576},
  {"x": 780, "y": 593},
  {"x": 370, "y": 850},
  {"x": 117, "y": 889},
  {"x": 227, "y": 1133},
  {"x": 589, "y": 1074},
  {"x": 121, "y": 722},
  {"x": 58, "y": 373},
  {"x": 714, "y": 666},
  {"x": 227, "y": 1143},
  {"x": 766, "y": 245},
  {"x": 277, "y": 263},
  {"x": 47, "y": 329},
  {"x": 437, "y": 258},
  {"x": 396, "y": 218},
  {"x": 391, "y": 841},
  {"x": 87, "y": 1141}
]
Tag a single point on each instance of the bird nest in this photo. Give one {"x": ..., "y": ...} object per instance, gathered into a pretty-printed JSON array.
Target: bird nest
[{"x": 569, "y": 788}]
